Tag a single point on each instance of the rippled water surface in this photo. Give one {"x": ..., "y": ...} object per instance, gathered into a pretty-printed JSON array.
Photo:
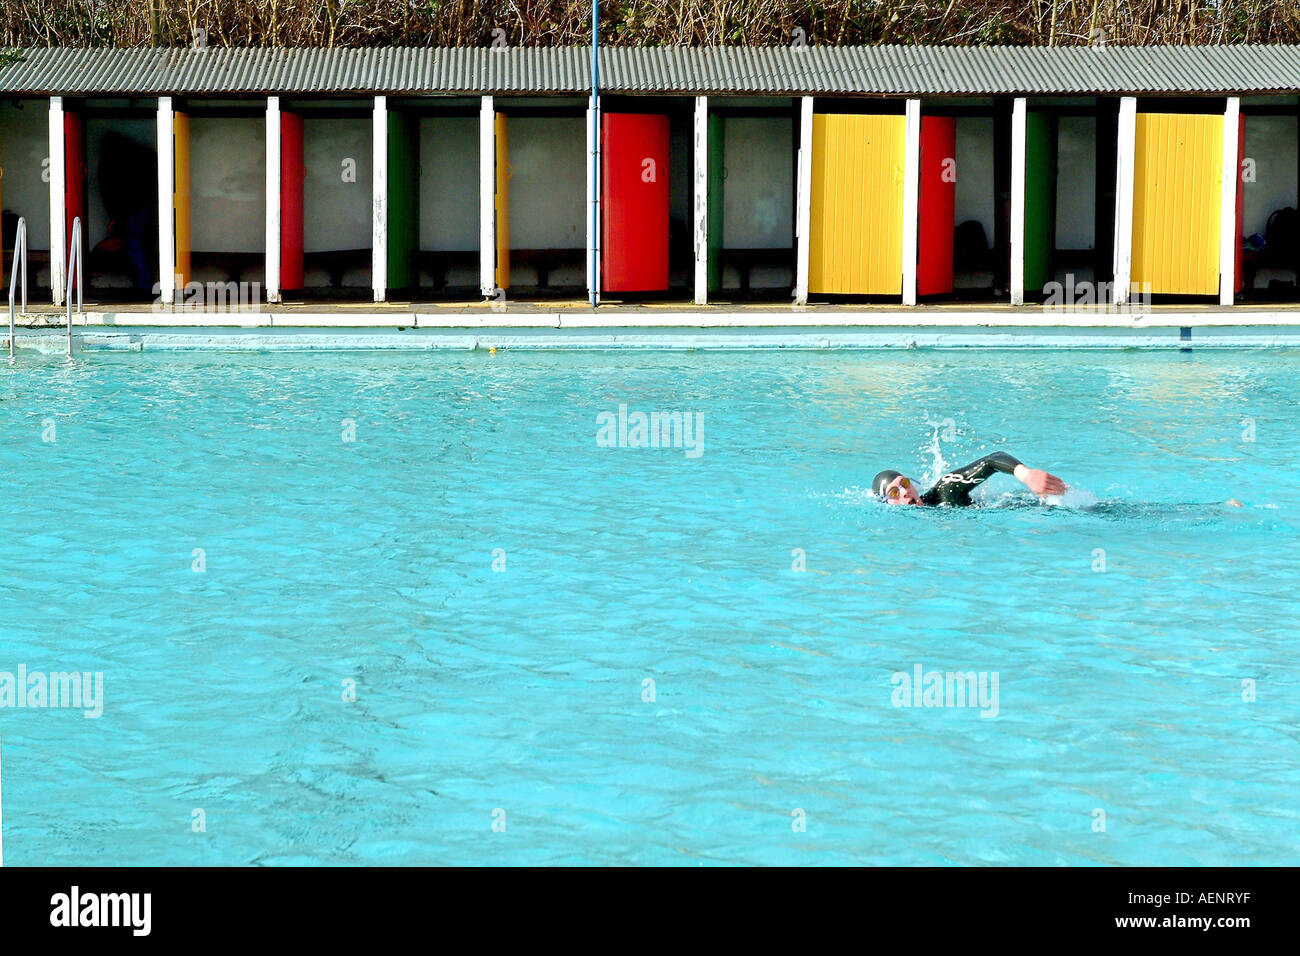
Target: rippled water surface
[{"x": 649, "y": 680}]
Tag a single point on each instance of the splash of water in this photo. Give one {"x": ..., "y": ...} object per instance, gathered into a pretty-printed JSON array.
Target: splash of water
[{"x": 938, "y": 467}]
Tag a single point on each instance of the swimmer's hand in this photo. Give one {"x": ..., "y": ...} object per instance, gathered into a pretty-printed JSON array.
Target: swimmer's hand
[{"x": 1039, "y": 482}]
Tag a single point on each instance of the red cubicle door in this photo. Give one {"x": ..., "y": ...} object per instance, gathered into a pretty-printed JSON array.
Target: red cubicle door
[
  {"x": 634, "y": 202},
  {"x": 936, "y": 205},
  {"x": 291, "y": 201},
  {"x": 74, "y": 178}
]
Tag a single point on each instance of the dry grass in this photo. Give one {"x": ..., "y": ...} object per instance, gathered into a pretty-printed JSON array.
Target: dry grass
[{"x": 649, "y": 22}]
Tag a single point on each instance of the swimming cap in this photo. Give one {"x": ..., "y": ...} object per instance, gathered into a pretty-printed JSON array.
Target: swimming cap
[{"x": 882, "y": 480}]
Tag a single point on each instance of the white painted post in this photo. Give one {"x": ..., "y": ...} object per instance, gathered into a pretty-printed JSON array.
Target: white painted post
[
  {"x": 593, "y": 201},
  {"x": 1228, "y": 211},
  {"x": 1126, "y": 151},
  {"x": 166, "y": 202},
  {"x": 379, "y": 200},
  {"x": 1018, "y": 201},
  {"x": 803, "y": 200},
  {"x": 273, "y": 199},
  {"x": 701, "y": 200},
  {"x": 487, "y": 197},
  {"x": 911, "y": 197},
  {"x": 58, "y": 226}
]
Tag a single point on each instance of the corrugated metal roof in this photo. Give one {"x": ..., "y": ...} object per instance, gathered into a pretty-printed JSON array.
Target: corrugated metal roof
[{"x": 882, "y": 70}]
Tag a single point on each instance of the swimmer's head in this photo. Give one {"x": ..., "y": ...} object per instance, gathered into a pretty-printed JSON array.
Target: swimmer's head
[{"x": 895, "y": 488}]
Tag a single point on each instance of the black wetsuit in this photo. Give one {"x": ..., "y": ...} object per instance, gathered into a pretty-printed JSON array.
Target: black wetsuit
[{"x": 955, "y": 487}]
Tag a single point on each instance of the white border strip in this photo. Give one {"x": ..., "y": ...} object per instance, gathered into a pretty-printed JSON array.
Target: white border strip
[
  {"x": 701, "y": 194},
  {"x": 379, "y": 200},
  {"x": 803, "y": 199},
  {"x": 632, "y": 320},
  {"x": 273, "y": 199},
  {"x": 1228, "y": 210},
  {"x": 487, "y": 192},
  {"x": 58, "y": 226},
  {"x": 166, "y": 202},
  {"x": 1018, "y": 201},
  {"x": 593, "y": 224},
  {"x": 911, "y": 196},
  {"x": 1126, "y": 152}
]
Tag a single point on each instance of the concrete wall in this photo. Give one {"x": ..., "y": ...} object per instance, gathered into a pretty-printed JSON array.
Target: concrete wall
[
  {"x": 138, "y": 130},
  {"x": 25, "y": 188},
  {"x": 228, "y": 184},
  {"x": 975, "y": 172},
  {"x": 975, "y": 197},
  {"x": 1271, "y": 143},
  {"x": 449, "y": 186},
  {"x": 548, "y": 182},
  {"x": 336, "y": 212},
  {"x": 1076, "y": 182},
  {"x": 142, "y": 130},
  {"x": 681, "y": 182},
  {"x": 758, "y": 193}
]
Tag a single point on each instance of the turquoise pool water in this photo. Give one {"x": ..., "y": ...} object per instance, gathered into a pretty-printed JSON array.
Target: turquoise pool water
[{"x": 519, "y": 697}]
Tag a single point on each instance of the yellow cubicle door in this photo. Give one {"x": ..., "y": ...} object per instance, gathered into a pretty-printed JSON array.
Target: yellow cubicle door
[
  {"x": 856, "y": 223},
  {"x": 502, "y": 202},
  {"x": 1177, "y": 183}
]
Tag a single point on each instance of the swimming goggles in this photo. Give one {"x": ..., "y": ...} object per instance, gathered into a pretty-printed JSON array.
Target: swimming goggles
[{"x": 893, "y": 491}]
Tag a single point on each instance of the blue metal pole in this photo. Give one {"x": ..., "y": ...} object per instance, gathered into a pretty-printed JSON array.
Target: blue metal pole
[{"x": 593, "y": 198}]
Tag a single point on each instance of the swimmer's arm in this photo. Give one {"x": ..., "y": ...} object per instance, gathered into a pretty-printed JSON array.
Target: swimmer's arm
[
  {"x": 985, "y": 468},
  {"x": 954, "y": 488},
  {"x": 1036, "y": 480}
]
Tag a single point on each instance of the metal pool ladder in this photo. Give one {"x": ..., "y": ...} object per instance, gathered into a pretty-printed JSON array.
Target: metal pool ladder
[
  {"x": 74, "y": 271},
  {"x": 20, "y": 256}
]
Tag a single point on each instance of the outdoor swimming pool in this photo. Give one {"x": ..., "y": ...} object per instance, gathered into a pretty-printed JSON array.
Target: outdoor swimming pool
[{"x": 201, "y": 531}]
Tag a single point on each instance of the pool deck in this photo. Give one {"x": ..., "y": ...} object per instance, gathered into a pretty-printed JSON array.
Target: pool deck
[{"x": 573, "y": 324}]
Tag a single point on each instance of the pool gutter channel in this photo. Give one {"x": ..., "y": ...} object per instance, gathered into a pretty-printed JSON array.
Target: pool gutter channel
[{"x": 640, "y": 329}]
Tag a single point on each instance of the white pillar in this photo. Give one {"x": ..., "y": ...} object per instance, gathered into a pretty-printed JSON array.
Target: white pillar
[
  {"x": 701, "y": 200},
  {"x": 487, "y": 197},
  {"x": 593, "y": 200},
  {"x": 379, "y": 200},
  {"x": 58, "y": 227},
  {"x": 273, "y": 199},
  {"x": 1018, "y": 201},
  {"x": 911, "y": 196},
  {"x": 1228, "y": 213},
  {"x": 166, "y": 201},
  {"x": 803, "y": 200},
  {"x": 1126, "y": 149}
]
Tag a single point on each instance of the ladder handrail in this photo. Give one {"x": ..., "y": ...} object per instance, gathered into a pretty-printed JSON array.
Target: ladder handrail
[
  {"x": 20, "y": 255},
  {"x": 74, "y": 269}
]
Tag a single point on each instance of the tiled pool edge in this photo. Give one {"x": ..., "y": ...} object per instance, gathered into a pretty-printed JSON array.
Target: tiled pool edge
[{"x": 529, "y": 333}]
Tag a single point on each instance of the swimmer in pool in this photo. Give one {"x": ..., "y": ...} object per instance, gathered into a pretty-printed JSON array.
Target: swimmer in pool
[{"x": 955, "y": 487}]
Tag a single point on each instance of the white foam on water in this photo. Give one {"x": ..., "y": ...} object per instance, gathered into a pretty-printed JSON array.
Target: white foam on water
[
  {"x": 855, "y": 495},
  {"x": 1073, "y": 498}
]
